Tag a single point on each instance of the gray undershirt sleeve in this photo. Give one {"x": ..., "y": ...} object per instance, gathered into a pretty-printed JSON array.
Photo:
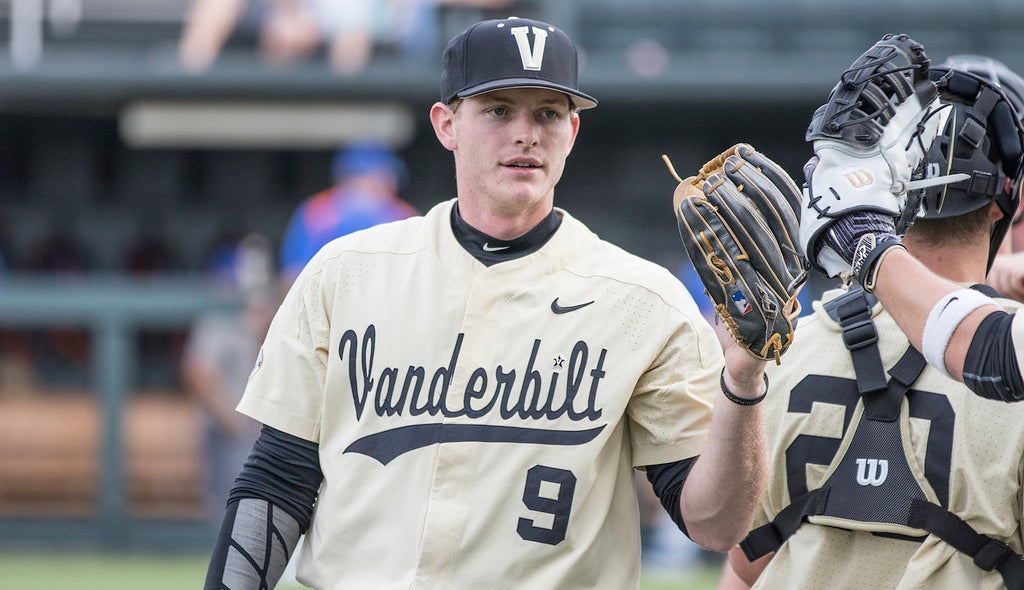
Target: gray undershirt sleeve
[{"x": 255, "y": 543}]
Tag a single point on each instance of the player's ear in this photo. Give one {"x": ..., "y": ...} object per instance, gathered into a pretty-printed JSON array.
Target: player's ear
[
  {"x": 574, "y": 118},
  {"x": 442, "y": 117},
  {"x": 995, "y": 213}
]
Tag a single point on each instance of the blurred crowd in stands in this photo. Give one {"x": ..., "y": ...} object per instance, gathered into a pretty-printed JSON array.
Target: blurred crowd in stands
[
  {"x": 209, "y": 360},
  {"x": 347, "y": 34}
]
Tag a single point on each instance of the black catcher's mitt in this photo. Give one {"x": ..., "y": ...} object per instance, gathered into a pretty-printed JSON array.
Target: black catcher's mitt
[
  {"x": 737, "y": 219},
  {"x": 865, "y": 99},
  {"x": 868, "y": 138}
]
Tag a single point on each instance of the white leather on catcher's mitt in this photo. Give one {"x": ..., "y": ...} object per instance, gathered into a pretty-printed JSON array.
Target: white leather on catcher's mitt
[
  {"x": 869, "y": 137},
  {"x": 737, "y": 220}
]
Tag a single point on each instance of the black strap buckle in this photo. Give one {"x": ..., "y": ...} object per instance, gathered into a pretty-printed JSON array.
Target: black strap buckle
[
  {"x": 991, "y": 554},
  {"x": 859, "y": 334}
]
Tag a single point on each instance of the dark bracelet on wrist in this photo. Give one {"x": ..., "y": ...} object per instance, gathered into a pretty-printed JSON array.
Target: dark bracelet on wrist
[{"x": 742, "y": 400}]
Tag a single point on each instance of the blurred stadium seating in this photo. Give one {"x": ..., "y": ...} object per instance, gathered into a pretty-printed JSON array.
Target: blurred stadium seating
[{"x": 76, "y": 76}]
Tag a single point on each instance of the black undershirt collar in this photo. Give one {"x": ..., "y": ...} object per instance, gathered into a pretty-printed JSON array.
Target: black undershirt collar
[{"x": 489, "y": 250}]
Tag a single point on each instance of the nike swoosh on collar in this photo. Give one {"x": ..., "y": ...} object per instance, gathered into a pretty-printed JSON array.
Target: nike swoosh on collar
[
  {"x": 555, "y": 307},
  {"x": 490, "y": 248}
]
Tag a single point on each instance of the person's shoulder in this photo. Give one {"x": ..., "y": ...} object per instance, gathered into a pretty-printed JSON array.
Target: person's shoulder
[
  {"x": 317, "y": 203},
  {"x": 822, "y": 314},
  {"x": 600, "y": 257},
  {"x": 399, "y": 236}
]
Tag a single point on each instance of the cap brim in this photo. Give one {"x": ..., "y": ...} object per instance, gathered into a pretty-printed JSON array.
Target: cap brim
[{"x": 582, "y": 101}]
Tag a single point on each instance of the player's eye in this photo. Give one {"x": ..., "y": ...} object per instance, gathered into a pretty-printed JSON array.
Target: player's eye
[
  {"x": 498, "y": 111},
  {"x": 550, "y": 114}
]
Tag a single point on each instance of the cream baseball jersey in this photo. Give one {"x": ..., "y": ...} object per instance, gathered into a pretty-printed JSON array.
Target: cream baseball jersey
[
  {"x": 478, "y": 427},
  {"x": 965, "y": 451}
]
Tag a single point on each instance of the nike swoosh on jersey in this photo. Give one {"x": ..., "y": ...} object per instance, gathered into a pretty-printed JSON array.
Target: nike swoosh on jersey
[
  {"x": 490, "y": 248},
  {"x": 387, "y": 445},
  {"x": 555, "y": 307}
]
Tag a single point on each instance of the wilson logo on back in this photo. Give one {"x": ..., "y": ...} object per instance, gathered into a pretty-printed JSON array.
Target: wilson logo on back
[{"x": 872, "y": 472}]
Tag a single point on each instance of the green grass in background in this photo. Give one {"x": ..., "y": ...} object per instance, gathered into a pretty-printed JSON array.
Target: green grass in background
[
  {"x": 102, "y": 571},
  {"x": 88, "y": 571}
]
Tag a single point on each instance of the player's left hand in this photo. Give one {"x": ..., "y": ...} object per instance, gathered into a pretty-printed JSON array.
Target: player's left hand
[
  {"x": 744, "y": 372},
  {"x": 873, "y": 131},
  {"x": 737, "y": 220}
]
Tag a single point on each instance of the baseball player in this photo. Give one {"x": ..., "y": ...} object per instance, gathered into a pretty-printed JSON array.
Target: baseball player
[
  {"x": 887, "y": 473},
  {"x": 961, "y": 332},
  {"x": 459, "y": 400}
]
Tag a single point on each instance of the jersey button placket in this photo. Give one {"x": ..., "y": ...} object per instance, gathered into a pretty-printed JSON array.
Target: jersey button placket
[{"x": 454, "y": 463}]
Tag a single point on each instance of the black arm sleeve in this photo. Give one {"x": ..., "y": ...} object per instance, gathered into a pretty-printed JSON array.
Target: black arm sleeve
[
  {"x": 283, "y": 470},
  {"x": 667, "y": 480},
  {"x": 990, "y": 369}
]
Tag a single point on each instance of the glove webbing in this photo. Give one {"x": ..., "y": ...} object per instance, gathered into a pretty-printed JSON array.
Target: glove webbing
[{"x": 712, "y": 166}]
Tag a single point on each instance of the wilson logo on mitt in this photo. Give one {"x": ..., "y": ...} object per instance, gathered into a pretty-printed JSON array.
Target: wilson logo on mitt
[{"x": 860, "y": 178}]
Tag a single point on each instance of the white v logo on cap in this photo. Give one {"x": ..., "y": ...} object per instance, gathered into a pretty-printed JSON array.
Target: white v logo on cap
[{"x": 532, "y": 57}]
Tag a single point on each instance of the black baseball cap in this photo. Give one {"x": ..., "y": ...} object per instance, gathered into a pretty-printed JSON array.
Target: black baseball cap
[{"x": 511, "y": 53}]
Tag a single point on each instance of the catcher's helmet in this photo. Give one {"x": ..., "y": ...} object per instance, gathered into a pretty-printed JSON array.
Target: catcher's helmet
[
  {"x": 981, "y": 135},
  {"x": 994, "y": 71}
]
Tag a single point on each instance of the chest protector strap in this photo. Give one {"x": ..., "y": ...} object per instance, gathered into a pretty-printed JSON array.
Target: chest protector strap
[
  {"x": 853, "y": 312},
  {"x": 877, "y": 429},
  {"x": 877, "y": 434},
  {"x": 987, "y": 553},
  {"x": 768, "y": 538}
]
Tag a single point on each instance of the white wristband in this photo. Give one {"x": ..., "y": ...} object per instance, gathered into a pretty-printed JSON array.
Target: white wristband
[{"x": 943, "y": 321}]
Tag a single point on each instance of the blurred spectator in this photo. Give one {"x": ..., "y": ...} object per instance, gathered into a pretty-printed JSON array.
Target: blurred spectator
[
  {"x": 664, "y": 550},
  {"x": 367, "y": 181},
  {"x": 60, "y": 353},
  {"x": 17, "y": 377},
  {"x": 157, "y": 349},
  {"x": 219, "y": 355},
  {"x": 288, "y": 30},
  {"x": 151, "y": 255},
  {"x": 687, "y": 275},
  {"x": 57, "y": 255}
]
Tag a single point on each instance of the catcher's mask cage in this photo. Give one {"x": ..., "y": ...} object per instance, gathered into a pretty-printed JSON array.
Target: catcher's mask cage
[{"x": 981, "y": 135}]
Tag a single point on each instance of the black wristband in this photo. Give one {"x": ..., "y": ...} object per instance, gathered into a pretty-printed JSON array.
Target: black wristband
[{"x": 742, "y": 400}]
